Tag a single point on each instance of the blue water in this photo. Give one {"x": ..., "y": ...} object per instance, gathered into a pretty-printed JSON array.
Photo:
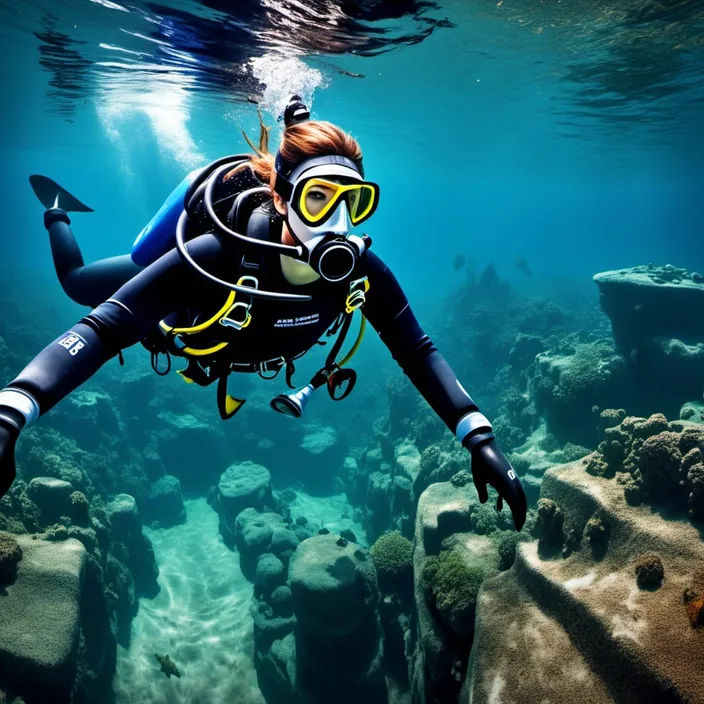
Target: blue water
[{"x": 571, "y": 137}]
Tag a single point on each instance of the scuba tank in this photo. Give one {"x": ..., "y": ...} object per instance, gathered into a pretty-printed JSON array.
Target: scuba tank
[{"x": 158, "y": 236}]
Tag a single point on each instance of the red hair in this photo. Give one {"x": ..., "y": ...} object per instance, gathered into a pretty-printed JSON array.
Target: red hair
[{"x": 300, "y": 142}]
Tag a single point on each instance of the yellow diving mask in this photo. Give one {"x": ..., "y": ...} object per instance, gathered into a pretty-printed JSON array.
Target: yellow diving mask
[{"x": 316, "y": 198}]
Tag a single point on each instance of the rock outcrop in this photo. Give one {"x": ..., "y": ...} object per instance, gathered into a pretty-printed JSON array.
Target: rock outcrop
[
  {"x": 589, "y": 627},
  {"x": 131, "y": 545},
  {"x": 657, "y": 318},
  {"x": 449, "y": 564},
  {"x": 56, "y": 644},
  {"x": 243, "y": 485},
  {"x": 335, "y": 651},
  {"x": 164, "y": 505}
]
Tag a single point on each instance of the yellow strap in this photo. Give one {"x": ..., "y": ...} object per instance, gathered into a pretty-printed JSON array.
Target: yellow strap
[
  {"x": 232, "y": 405},
  {"x": 357, "y": 342},
  {"x": 222, "y": 313},
  {"x": 203, "y": 353},
  {"x": 205, "y": 325}
]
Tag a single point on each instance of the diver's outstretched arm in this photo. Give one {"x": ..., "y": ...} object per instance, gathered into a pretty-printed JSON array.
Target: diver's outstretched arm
[
  {"x": 89, "y": 284},
  {"x": 388, "y": 310},
  {"x": 130, "y": 315}
]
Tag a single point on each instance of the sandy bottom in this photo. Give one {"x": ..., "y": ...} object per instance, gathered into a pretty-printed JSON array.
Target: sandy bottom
[
  {"x": 201, "y": 615},
  {"x": 200, "y": 618}
]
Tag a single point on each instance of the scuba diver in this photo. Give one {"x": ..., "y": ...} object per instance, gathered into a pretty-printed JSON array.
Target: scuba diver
[{"x": 247, "y": 265}]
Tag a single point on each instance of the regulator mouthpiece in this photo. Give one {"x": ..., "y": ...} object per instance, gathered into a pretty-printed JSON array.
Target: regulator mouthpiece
[{"x": 293, "y": 404}]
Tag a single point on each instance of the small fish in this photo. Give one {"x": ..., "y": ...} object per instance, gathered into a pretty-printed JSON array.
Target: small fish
[
  {"x": 522, "y": 264},
  {"x": 256, "y": 99},
  {"x": 459, "y": 262},
  {"x": 168, "y": 666}
]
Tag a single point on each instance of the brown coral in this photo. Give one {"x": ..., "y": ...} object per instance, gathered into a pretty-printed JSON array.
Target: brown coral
[
  {"x": 10, "y": 555},
  {"x": 549, "y": 526},
  {"x": 659, "y": 462},
  {"x": 649, "y": 571},
  {"x": 694, "y": 605}
]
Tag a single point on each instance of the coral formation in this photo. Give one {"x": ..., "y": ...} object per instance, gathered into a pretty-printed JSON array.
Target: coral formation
[
  {"x": 10, "y": 555},
  {"x": 451, "y": 587},
  {"x": 506, "y": 544},
  {"x": 570, "y": 380},
  {"x": 596, "y": 531},
  {"x": 549, "y": 526},
  {"x": 393, "y": 558},
  {"x": 655, "y": 461},
  {"x": 649, "y": 571}
]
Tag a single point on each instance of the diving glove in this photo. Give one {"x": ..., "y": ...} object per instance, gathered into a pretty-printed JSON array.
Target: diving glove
[
  {"x": 9, "y": 432},
  {"x": 490, "y": 466}
]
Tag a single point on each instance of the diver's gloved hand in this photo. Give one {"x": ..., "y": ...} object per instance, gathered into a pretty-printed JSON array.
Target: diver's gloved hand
[
  {"x": 490, "y": 466},
  {"x": 8, "y": 438}
]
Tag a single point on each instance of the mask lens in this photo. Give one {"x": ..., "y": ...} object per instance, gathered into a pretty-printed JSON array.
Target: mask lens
[
  {"x": 362, "y": 201},
  {"x": 317, "y": 197}
]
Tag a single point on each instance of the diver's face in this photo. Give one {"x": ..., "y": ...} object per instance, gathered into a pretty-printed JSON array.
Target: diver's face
[
  {"x": 319, "y": 195},
  {"x": 317, "y": 198}
]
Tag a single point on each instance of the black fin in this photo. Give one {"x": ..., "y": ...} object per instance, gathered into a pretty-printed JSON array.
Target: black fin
[{"x": 51, "y": 195}]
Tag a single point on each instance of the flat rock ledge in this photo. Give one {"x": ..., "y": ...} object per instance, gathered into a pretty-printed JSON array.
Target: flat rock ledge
[{"x": 579, "y": 629}]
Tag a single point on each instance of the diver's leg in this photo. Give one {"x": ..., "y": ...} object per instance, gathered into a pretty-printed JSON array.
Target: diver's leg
[{"x": 88, "y": 285}]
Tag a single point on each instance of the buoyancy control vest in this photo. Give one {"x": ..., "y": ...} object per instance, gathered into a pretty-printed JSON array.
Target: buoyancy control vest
[{"x": 246, "y": 205}]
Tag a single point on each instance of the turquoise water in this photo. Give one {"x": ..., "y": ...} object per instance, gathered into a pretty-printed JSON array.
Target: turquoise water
[
  {"x": 550, "y": 140},
  {"x": 569, "y": 136}
]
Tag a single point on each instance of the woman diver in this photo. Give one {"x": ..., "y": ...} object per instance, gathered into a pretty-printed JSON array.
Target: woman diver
[{"x": 287, "y": 226}]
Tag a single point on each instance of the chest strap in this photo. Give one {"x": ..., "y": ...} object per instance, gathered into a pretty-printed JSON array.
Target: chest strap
[{"x": 233, "y": 314}]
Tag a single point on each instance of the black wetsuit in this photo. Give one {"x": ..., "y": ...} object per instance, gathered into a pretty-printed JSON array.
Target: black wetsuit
[{"x": 170, "y": 290}]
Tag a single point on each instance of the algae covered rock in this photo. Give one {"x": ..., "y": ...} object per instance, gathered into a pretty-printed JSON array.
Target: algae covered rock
[
  {"x": 258, "y": 533},
  {"x": 270, "y": 574},
  {"x": 10, "y": 555},
  {"x": 40, "y": 620},
  {"x": 134, "y": 548},
  {"x": 616, "y": 628},
  {"x": 339, "y": 637},
  {"x": 452, "y": 586},
  {"x": 392, "y": 555},
  {"x": 569, "y": 383},
  {"x": 241, "y": 486},
  {"x": 652, "y": 301},
  {"x": 334, "y": 586},
  {"x": 53, "y": 496},
  {"x": 658, "y": 325},
  {"x": 449, "y": 562},
  {"x": 165, "y": 502}
]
